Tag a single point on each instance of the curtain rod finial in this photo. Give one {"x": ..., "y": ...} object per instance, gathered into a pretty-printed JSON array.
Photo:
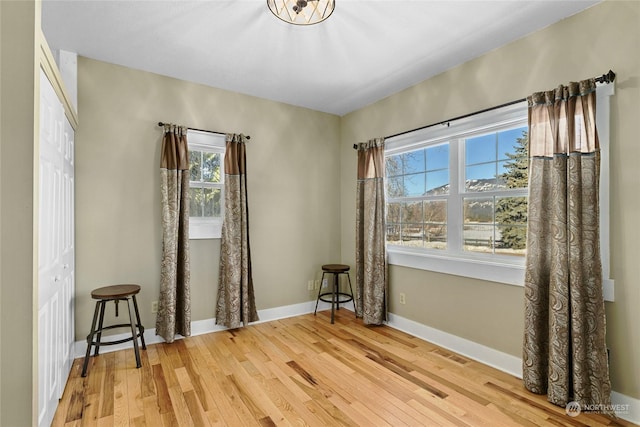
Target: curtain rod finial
[
  {"x": 611, "y": 76},
  {"x": 606, "y": 78}
]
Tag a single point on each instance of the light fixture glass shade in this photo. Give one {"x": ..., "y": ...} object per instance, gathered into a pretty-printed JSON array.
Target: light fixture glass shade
[{"x": 302, "y": 12}]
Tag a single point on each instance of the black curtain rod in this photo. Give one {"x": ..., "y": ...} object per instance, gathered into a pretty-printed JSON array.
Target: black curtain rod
[
  {"x": 605, "y": 78},
  {"x": 204, "y": 130}
]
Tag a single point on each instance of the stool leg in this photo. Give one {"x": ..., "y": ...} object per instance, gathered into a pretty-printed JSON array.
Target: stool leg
[
  {"x": 90, "y": 340},
  {"x": 333, "y": 296},
  {"x": 102, "y": 303},
  {"x": 133, "y": 334},
  {"x": 336, "y": 278},
  {"x": 140, "y": 327},
  {"x": 319, "y": 291},
  {"x": 353, "y": 297}
]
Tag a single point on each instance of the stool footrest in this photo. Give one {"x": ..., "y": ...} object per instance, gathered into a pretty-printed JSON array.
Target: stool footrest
[
  {"x": 122, "y": 325},
  {"x": 335, "y": 297},
  {"x": 341, "y": 297}
]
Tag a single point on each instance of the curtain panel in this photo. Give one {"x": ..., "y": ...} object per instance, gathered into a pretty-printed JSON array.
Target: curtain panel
[
  {"x": 371, "y": 259},
  {"x": 564, "y": 352},
  {"x": 236, "y": 300},
  {"x": 174, "y": 303}
]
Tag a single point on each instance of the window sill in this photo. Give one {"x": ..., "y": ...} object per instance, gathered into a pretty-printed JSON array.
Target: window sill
[
  {"x": 509, "y": 272},
  {"x": 199, "y": 229}
]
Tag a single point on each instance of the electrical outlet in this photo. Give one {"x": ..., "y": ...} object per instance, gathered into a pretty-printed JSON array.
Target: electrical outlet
[
  {"x": 316, "y": 284},
  {"x": 403, "y": 298},
  {"x": 154, "y": 306},
  {"x": 310, "y": 285}
]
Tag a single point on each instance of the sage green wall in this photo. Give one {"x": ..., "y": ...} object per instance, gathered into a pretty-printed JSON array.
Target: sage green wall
[
  {"x": 1, "y": 242},
  {"x": 19, "y": 77},
  {"x": 293, "y": 174},
  {"x": 585, "y": 45}
]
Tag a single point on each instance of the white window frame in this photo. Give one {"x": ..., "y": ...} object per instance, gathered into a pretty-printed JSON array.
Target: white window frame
[
  {"x": 496, "y": 268},
  {"x": 199, "y": 227}
]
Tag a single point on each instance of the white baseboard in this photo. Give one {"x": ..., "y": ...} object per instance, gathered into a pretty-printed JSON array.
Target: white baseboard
[
  {"x": 626, "y": 407},
  {"x": 206, "y": 326},
  {"x": 487, "y": 355}
]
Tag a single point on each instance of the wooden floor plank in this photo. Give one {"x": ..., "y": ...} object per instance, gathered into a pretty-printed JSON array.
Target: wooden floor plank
[
  {"x": 303, "y": 371},
  {"x": 120, "y": 391},
  {"x": 134, "y": 389},
  {"x": 220, "y": 406},
  {"x": 108, "y": 390}
]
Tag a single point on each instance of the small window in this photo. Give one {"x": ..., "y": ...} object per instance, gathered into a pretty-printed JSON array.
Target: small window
[{"x": 206, "y": 184}]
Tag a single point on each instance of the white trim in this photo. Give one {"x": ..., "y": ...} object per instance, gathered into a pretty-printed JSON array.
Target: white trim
[
  {"x": 478, "y": 352},
  {"x": 206, "y": 326},
  {"x": 486, "y": 355},
  {"x": 603, "y": 111},
  {"x": 633, "y": 414},
  {"x": 510, "y": 115},
  {"x": 205, "y": 228},
  {"x": 490, "y": 270},
  {"x": 494, "y": 358},
  {"x": 511, "y": 274},
  {"x": 205, "y": 140}
]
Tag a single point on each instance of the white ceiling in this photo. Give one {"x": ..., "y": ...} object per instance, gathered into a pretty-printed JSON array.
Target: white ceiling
[{"x": 364, "y": 52}]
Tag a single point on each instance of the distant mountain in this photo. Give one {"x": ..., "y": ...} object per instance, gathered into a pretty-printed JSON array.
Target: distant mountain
[
  {"x": 476, "y": 210},
  {"x": 473, "y": 186}
]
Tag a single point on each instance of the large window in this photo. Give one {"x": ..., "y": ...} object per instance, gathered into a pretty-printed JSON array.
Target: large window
[
  {"x": 457, "y": 195},
  {"x": 462, "y": 194},
  {"x": 206, "y": 184}
]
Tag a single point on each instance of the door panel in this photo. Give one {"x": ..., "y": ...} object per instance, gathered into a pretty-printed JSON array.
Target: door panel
[
  {"x": 56, "y": 263},
  {"x": 68, "y": 253}
]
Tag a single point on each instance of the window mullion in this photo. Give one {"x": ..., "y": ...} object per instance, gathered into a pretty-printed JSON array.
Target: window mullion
[{"x": 454, "y": 204}]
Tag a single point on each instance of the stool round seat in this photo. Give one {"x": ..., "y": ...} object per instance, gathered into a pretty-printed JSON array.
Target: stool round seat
[
  {"x": 115, "y": 291},
  {"x": 335, "y": 268}
]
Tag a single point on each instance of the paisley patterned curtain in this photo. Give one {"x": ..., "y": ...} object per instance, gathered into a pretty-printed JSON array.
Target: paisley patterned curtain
[
  {"x": 236, "y": 301},
  {"x": 564, "y": 351},
  {"x": 174, "y": 304},
  {"x": 371, "y": 263}
]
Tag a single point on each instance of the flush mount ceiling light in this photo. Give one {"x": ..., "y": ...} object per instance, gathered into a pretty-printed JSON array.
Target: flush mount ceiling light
[{"x": 302, "y": 12}]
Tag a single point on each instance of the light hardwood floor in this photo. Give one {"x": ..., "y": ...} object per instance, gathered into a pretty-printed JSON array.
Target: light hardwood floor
[{"x": 303, "y": 371}]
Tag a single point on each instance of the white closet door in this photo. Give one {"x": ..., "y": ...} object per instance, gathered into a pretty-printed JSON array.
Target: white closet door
[
  {"x": 56, "y": 252},
  {"x": 68, "y": 254}
]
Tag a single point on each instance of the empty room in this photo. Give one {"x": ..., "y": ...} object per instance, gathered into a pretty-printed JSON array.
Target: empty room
[{"x": 319, "y": 212}]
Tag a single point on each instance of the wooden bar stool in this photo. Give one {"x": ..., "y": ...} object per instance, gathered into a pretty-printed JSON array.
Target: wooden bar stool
[
  {"x": 115, "y": 293},
  {"x": 337, "y": 297}
]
